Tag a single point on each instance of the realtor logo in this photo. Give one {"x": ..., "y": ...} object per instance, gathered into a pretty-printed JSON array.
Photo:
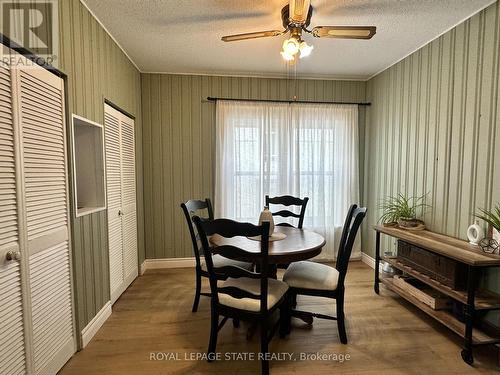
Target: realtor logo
[{"x": 33, "y": 25}]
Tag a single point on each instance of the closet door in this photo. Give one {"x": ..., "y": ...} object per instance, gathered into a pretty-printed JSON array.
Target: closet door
[
  {"x": 43, "y": 145},
  {"x": 114, "y": 199},
  {"x": 12, "y": 342},
  {"x": 121, "y": 198},
  {"x": 129, "y": 218}
]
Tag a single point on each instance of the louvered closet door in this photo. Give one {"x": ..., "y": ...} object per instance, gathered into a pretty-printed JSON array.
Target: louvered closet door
[
  {"x": 121, "y": 194},
  {"x": 12, "y": 353},
  {"x": 114, "y": 199},
  {"x": 129, "y": 218},
  {"x": 41, "y": 102}
]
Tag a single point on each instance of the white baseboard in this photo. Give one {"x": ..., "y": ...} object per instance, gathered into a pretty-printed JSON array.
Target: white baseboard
[
  {"x": 95, "y": 324},
  {"x": 155, "y": 264},
  {"x": 369, "y": 261},
  {"x": 142, "y": 268},
  {"x": 322, "y": 260},
  {"x": 166, "y": 263}
]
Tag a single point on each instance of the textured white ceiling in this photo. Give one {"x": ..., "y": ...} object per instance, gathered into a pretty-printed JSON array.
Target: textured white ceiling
[{"x": 184, "y": 36}]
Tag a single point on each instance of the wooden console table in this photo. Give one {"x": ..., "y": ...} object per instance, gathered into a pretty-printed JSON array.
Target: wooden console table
[{"x": 475, "y": 260}]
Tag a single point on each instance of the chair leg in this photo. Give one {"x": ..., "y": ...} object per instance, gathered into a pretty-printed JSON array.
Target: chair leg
[
  {"x": 214, "y": 324},
  {"x": 341, "y": 318},
  {"x": 236, "y": 323},
  {"x": 294, "y": 301},
  {"x": 197, "y": 292},
  {"x": 264, "y": 348},
  {"x": 285, "y": 317}
]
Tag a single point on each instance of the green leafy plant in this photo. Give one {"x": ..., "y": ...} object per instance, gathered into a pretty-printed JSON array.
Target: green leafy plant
[
  {"x": 491, "y": 217},
  {"x": 402, "y": 207}
]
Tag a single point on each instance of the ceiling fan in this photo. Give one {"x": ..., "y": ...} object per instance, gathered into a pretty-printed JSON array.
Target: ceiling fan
[{"x": 296, "y": 17}]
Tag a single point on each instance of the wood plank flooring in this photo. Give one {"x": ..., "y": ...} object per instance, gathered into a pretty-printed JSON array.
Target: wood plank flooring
[{"x": 386, "y": 335}]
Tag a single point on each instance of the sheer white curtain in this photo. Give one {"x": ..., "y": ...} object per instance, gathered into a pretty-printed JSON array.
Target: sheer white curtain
[{"x": 297, "y": 149}]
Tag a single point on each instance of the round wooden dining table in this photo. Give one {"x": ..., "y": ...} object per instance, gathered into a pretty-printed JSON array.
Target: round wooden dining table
[{"x": 299, "y": 244}]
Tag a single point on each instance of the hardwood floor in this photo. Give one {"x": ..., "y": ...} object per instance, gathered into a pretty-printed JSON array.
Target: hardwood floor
[{"x": 386, "y": 335}]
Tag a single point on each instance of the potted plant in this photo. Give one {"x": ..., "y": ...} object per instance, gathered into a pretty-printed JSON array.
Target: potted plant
[
  {"x": 493, "y": 219},
  {"x": 403, "y": 211}
]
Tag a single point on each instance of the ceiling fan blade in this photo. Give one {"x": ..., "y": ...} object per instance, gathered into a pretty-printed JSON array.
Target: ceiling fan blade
[
  {"x": 299, "y": 10},
  {"x": 344, "y": 32},
  {"x": 258, "y": 34}
]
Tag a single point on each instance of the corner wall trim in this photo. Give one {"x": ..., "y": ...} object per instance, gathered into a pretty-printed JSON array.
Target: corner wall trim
[
  {"x": 491, "y": 2},
  {"x": 142, "y": 268},
  {"x": 95, "y": 324},
  {"x": 110, "y": 35}
]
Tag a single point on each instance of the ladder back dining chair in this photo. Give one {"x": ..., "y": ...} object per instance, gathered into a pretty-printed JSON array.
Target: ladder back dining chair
[
  {"x": 244, "y": 295},
  {"x": 288, "y": 200},
  {"x": 190, "y": 208},
  {"x": 315, "y": 279}
]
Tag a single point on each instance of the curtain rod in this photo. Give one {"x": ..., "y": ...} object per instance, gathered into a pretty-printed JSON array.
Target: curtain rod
[{"x": 213, "y": 99}]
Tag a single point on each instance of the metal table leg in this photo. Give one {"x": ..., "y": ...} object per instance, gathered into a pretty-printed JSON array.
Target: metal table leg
[
  {"x": 377, "y": 262},
  {"x": 469, "y": 315}
]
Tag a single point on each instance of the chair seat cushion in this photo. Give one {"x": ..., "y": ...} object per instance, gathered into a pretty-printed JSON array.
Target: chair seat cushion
[
  {"x": 311, "y": 275},
  {"x": 276, "y": 290},
  {"x": 220, "y": 261}
]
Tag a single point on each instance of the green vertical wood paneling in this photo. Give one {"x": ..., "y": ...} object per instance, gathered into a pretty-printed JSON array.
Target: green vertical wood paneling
[
  {"x": 433, "y": 128},
  {"x": 97, "y": 69},
  {"x": 179, "y": 143}
]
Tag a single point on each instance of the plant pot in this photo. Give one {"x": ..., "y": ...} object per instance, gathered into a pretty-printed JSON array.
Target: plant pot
[
  {"x": 410, "y": 223},
  {"x": 393, "y": 224},
  {"x": 496, "y": 235}
]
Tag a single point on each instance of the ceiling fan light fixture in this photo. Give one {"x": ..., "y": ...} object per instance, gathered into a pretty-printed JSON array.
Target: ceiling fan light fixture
[
  {"x": 305, "y": 49},
  {"x": 296, "y": 18},
  {"x": 287, "y": 57},
  {"x": 291, "y": 46}
]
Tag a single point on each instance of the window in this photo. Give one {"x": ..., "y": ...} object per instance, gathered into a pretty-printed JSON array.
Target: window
[{"x": 279, "y": 148}]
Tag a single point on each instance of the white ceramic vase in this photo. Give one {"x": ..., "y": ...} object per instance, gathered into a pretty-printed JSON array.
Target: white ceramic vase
[
  {"x": 267, "y": 215},
  {"x": 475, "y": 234}
]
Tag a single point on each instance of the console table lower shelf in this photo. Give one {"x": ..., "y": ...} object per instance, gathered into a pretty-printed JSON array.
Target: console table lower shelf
[
  {"x": 473, "y": 262},
  {"x": 442, "y": 316}
]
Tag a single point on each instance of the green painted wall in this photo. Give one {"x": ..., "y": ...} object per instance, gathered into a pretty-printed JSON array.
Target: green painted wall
[
  {"x": 433, "y": 128},
  {"x": 179, "y": 144},
  {"x": 96, "y": 69}
]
